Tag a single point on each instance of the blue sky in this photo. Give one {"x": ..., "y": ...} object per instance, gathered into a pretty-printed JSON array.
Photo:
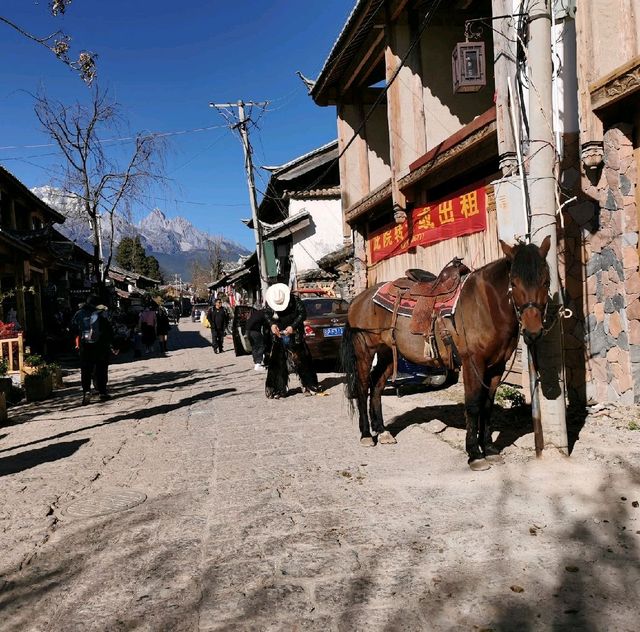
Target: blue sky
[{"x": 164, "y": 61}]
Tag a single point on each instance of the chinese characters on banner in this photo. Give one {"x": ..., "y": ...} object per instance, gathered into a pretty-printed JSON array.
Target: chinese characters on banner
[{"x": 461, "y": 214}]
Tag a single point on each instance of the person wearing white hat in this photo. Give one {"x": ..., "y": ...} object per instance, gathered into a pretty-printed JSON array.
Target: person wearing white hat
[{"x": 285, "y": 313}]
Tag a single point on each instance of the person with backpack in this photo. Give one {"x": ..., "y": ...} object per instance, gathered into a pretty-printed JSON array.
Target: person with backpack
[{"x": 94, "y": 336}]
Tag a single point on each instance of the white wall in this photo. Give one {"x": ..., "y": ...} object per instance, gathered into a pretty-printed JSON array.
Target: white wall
[{"x": 323, "y": 236}]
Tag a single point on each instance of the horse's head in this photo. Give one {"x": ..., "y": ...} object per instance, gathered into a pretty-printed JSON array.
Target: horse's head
[{"x": 529, "y": 285}]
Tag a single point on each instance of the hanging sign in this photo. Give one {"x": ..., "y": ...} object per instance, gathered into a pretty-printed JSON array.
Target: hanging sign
[{"x": 463, "y": 213}]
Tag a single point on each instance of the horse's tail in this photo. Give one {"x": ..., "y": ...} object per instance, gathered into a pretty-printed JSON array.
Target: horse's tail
[{"x": 349, "y": 364}]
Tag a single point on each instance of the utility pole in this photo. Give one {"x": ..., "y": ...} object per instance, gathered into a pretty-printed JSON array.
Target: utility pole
[
  {"x": 248, "y": 164},
  {"x": 542, "y": 190}
]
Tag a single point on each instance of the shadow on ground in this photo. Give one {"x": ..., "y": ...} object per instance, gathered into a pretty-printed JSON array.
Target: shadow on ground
[
  {"x": 136, "y": 415},
  {"x": 581, "y": 575},
  {"x": 63, "y": 587},
  {"x": 511, "y": 423},
  {"x": 31, "y": 458},
  {"x": 588, "y": 578},
  {"x": 70, "y": 395},
  {"x": 190, "y": 340}
]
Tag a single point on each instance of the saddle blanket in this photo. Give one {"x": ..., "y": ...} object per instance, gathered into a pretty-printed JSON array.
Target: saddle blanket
[{"x": 386, "y": 294}]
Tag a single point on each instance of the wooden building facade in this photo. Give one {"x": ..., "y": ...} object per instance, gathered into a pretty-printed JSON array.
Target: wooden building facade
[{"x": 410, "y": 145}]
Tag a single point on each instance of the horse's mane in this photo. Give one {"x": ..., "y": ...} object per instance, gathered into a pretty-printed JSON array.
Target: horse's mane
[{"x": 527, "y": 264}]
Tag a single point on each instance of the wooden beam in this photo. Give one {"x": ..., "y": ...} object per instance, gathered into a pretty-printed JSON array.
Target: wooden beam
[
  {"x": 366, "y": 61},
  {"x": 617, "y": 85}
]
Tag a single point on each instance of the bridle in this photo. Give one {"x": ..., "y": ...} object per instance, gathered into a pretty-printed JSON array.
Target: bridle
[{"x": 521, "y": 309}]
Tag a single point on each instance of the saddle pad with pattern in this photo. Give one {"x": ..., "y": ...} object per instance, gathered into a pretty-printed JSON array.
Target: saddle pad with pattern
[
  {"x": 385, "y": 297},
  {"x": 445, "y": 305}
]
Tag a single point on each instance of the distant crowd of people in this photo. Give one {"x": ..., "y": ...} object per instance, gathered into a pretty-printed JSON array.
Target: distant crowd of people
[{"x": 275, "y": 330}]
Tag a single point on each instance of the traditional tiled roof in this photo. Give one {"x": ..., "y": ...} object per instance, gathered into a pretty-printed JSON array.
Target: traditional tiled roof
[
  {"x": 287, "y": 226},
  {"x": 24, "y": 190},
  {"x": 305, "y": 163},
  {"x": 305, "y": 194},
  {"x": 353, "y": 33}
]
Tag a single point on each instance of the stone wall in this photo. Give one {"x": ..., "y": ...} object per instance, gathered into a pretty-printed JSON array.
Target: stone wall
[{"x": 612, "y": 281}]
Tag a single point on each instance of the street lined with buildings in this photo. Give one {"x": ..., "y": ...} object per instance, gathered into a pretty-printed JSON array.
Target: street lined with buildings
[{"x": 191, "y": 502}]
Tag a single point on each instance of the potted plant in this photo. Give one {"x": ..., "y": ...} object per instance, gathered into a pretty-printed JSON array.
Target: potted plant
[
  {"x": 56, "y": 375},
  {"x": 5, "y": 380},
  {"x": 32, "y": 363},
  {"x": 38, "y": 384}
]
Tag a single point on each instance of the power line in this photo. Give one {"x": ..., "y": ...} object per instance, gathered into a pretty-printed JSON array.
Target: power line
[{"x": 193, "y": 130}]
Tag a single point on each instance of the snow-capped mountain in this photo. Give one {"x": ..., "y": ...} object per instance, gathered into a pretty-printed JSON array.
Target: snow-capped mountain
[
  {"x": 173, "y": 241},
  {"x": 172, "y": 235}
]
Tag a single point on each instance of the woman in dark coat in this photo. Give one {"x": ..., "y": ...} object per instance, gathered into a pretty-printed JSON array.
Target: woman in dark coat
[
  {"x": 162, "y": 327},
  {"x": 286, "y": 314}
]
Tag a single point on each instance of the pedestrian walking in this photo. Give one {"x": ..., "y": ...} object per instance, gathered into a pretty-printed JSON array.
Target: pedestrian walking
[
  {"x": 148, "y": 322},
  {"x": 286, "y": 314},
  {"x": 162, "y": 327},
  {"x": 255, "y": 329},
  {"x": 218, "y": 318},
  {"x": 94, "y": 335}
]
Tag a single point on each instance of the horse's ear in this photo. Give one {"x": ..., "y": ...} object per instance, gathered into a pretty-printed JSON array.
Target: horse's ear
[
  {"x": 507, "y": 249},
  {"x": 544, "y": 246}
]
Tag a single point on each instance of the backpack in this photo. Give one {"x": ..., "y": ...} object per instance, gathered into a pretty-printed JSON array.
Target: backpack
[
  {"x": 163, "y": 317},
  {"x": 91, "y": 327}
]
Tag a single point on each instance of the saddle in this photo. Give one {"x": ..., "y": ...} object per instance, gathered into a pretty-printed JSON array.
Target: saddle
[
  {"x": 423, "y": 297},
  {"x": 420, "y": 291}
]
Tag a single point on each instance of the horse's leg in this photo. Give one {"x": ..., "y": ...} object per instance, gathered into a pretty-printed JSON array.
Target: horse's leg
[
  {"x": 474, "y": 398},
  {"x": 379, "y": 377},
  {"x": 491, "y": 453},
  {"x": 364, "y": 360}
]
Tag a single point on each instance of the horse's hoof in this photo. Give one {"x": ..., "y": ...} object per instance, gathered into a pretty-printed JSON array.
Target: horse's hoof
[
  {"x": 386, "y": 437},
  {"x": 367, "y": 442},
  {"x": 494, "y": 458},
  {"x": 479, "y": 465}
]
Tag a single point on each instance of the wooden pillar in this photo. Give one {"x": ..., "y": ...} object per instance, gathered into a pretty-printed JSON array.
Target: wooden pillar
[
  {"x": 405, "y": 101},
  {"x": 504, "y": 51},
  {"x": 353, "y": 164},
  {"x": 591, "y": 132},
  {"x": 21, "y": 311}
]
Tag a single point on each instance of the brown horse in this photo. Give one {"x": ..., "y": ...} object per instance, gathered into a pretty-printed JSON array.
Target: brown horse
[{"x": 496, "y": 302}]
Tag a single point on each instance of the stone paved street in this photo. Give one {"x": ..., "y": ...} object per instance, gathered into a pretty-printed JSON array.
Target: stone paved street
[{"x": 268, "y": 514}]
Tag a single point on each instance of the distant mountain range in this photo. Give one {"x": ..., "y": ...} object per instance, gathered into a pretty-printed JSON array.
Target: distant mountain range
[{"x": 175, "y": 242}]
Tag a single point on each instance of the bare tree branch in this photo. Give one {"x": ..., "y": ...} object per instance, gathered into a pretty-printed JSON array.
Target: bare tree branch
[
  {"x": 59, "y": 44},
  {"x": 100, "y": 181}
]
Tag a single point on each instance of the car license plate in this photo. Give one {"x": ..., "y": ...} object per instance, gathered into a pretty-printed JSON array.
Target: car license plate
[{"x": 333, "y": 331}]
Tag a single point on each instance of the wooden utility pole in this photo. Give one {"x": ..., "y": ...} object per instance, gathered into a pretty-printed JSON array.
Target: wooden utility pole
[
  {"x": 542, "y": 190},
  {"x": 248, "y": 164}
]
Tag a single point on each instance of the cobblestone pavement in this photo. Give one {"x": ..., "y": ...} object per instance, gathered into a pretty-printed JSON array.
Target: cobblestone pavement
[{"x": 268, "y": 514}]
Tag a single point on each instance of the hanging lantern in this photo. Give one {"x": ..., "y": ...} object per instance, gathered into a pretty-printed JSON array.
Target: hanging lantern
[
  {"x": 469, "y": 67},
  {"x": 399, "y": 214}
]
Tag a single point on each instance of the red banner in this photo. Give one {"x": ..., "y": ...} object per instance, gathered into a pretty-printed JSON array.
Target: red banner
[{"x": 463, "y": 213}]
